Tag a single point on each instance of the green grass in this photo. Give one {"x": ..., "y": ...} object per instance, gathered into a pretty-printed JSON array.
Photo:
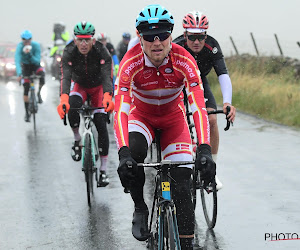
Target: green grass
[{"x": 264, "y": 87}]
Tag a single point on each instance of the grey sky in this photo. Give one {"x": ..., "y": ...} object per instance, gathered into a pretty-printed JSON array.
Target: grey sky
[{"x": 234, "y": 18}]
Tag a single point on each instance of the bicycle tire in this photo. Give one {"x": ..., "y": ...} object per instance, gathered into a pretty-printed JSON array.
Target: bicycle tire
[
  {"x": 209, "y": 202},
  {"x": 88, "y": 167},
  {"x": 33, "y": 107}
]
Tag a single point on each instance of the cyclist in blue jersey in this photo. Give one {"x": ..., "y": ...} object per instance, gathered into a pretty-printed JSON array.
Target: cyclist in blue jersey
[{"x": 27, "y": 59}]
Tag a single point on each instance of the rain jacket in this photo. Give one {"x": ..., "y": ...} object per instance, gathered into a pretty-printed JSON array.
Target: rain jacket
[{"x": 33, "y": 57}]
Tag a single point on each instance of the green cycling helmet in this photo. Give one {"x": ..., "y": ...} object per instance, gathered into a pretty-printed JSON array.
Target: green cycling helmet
[{"x": 84, "y": 29}]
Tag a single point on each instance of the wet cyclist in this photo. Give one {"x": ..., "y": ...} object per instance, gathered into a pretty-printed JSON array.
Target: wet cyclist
[
  {"x": 27, "y": 59},
  {"x": 87, "y": 63},
  {"x": 208, "y": 54},
  {"x": 148, "y": 96}
]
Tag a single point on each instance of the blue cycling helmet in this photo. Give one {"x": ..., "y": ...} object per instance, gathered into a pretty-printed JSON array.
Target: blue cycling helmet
[
  {"x": 126, "y": 35},
  {"x": 153, "y": 19},
  {"x": 26, "y": 34}
]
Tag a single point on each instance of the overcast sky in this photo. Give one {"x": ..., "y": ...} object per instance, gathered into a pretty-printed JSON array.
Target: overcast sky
[{"x": 236, "y": 18}]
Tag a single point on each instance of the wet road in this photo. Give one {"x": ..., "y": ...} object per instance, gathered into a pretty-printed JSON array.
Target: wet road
[{"x": 43, "y": 199}]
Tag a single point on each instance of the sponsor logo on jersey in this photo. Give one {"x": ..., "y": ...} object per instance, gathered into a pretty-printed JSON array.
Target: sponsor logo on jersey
[
  {"x": 102, "y": 61},
  {"x": 124, "y": 89},
  {"x": 147, "y": 73},
  {"x": 132, "y": 65},
  {"x": 125, "y": 78},
  {"x": 215, "y": 50},
  {"x": 194, "y": 84},
  {"x": 168, "y": 70},
  {"x": 186, "y": 67},
  {"x": 149, "y": 83}
]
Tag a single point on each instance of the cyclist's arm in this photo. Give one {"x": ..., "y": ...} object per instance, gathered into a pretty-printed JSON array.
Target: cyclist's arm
[
  {"x": 66, "y": 73},
  {"x": 18, "y": 59},
  {"x": 106, "y": 70},
  {"x": 122, "y": 106},
  {"x": 36, "y": 54}
]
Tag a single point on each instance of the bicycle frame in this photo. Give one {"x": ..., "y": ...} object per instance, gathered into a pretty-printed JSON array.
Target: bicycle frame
[{"x": 88, "y": 124}]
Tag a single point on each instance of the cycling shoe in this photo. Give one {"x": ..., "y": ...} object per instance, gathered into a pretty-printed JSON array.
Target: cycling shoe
[
  {"x": 76, "y": 151},
  {"x": 140, "y": 224}
]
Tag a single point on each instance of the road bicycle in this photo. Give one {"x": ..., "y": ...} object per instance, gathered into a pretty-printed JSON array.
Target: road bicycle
[
  {"x": 164, "y": 233},
  {"x": 208, "y": 191},
  {"x": 33, "y": 105},
  {"x": 90, "y": 153}
]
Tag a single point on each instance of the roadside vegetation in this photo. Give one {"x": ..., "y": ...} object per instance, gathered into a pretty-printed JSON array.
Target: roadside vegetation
[{"x": 267, "y": 87}]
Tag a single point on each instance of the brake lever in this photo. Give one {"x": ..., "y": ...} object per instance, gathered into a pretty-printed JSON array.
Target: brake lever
[{"x": 228, "y": 122}]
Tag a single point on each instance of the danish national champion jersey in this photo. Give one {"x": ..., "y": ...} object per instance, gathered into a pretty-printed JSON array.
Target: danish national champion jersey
[{"x": 158, "y": 91}]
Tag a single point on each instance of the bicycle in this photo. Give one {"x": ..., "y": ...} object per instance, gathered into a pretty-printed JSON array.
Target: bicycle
[
  {"x": 90, "y": 154},
  {"x": 33, "y": 106},
  {"x": 208, "y": 192},
  {"x": 164, "y": 235}
]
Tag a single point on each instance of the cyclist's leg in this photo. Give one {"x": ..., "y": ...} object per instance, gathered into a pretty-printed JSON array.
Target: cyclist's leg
[
  {"x": 140, "y": 137},
  {"x": 26, "y": 72},
  {"x": 41, "y": 72},
  {"x": 176, "y": 146},
  {"x": 100, "y": 120},
  {"x": 211, "y": 105},
  {"x": 77, "y": 97},
  {"x": 214, "y": 131}
]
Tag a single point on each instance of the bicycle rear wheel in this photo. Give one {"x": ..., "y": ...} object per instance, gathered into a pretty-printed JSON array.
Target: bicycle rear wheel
[{"x": 88, "y": 167}]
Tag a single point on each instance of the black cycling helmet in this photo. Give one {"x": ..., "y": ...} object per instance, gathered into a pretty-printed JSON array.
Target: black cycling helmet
[{"x": 84, "y": 29}]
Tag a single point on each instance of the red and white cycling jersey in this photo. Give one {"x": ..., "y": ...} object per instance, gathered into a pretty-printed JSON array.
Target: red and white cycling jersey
[{"x": 158, "y": 91}]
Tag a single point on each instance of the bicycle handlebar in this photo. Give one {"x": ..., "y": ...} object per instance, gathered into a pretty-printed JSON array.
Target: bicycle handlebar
[
  {"x": 220, "y": 111},
  {"x": 169, "y": 163},
  {"x": 82, "y": 109}
]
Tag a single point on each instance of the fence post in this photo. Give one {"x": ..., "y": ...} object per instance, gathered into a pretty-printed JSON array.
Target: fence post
[
  {"x": 236, "y": 51},
  {"x": 254, "y": 43},
  {"x": 278, "y": 45}
]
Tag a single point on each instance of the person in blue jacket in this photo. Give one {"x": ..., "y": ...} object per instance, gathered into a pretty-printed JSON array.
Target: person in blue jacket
[{"x": 27, "y": 60}]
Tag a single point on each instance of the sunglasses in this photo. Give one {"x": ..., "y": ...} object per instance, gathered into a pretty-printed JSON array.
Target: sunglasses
[
  {"x": 161, "y": 37},
  {"x": 194, "y": 37},
  {"x": 81, "y": 40}
]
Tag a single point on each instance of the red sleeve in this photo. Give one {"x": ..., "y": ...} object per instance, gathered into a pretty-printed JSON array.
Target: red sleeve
[
  {"x": 123, "y": 96},
  {"x": 186, "y": 64}
]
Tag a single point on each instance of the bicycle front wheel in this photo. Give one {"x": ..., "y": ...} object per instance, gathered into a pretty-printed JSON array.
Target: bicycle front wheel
[
  {"x": 209, "y": 202},
  {"x": 88, "y": 167},
  {"x": 168, "y": 236}
]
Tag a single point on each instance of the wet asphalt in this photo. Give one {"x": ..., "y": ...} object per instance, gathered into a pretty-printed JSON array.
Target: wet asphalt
[{"x": 43, "y": 202}]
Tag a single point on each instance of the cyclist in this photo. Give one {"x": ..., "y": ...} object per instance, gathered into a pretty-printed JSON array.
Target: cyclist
[
  {"x": 88, "y": 63},
  {"x": 102, "y": 37},
  {"x": 123, "y": 44},
  {"x": 59, "y": 32},
  {"x": 148, "y": 96},
  {"x": 208, "y": 54},
  {"x": 27, "y": 59}
]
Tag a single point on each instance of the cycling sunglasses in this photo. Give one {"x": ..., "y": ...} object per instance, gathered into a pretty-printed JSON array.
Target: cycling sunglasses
[
  {"x": 86, "y": 40},
  {"x": 161, "y": 37},
  {"x": 194, "y": 37}
]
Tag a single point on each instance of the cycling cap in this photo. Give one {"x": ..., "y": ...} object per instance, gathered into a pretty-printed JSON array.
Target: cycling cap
[
  {"x": 84, "y": 30},
  {"x": 154, "y": 19},
  {"x": 26, "y": 34},
  {"x": 195, "y": 22},
  {"x": 102, "y": 36},
  {"x": 126, "y": 35}
]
